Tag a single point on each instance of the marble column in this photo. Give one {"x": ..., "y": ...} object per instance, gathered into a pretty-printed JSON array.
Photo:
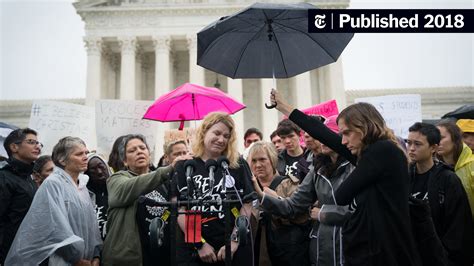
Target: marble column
[
  {"x": 162, "y": 65},
  {"x": 269, "y": 116},
  {"x": 333, "y": 83},
  {"x": 235, "y": 90},
  {"x": 196, "y": 73},
  {"x": 128, "y": 47},
  {"x": 139, "y": 93},
  {"x": 162, "y": 84},
  {"x": 301, "y": 90},
  {"x": 94, "y": 50}
]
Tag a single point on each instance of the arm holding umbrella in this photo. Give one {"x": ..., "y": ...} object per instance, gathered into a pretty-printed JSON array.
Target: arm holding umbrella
[{"x": 314, "y": 127}]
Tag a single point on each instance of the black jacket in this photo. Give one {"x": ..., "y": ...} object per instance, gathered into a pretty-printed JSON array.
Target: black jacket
[
  {"x": 450, "y": 212},
  {"x": 379, "y": 230},
  {"x": 17, "y": 190}
]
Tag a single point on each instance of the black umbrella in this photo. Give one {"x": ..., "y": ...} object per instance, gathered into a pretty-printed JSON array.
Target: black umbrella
[
  {"x": 463, "y": 112},
  {"x": 267, "y": 40}
]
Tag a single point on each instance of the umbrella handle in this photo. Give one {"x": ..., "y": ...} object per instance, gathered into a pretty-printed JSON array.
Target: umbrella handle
[{"x": 270, "y": 106}]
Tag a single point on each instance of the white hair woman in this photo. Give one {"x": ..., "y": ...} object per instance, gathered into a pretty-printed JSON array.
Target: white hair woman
[{"x": 61, "y": 223}]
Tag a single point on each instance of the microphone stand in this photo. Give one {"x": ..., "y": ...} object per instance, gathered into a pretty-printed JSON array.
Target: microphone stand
[
  {"x": 227, "y": 221},
  {"x": 173, "y": 206}
]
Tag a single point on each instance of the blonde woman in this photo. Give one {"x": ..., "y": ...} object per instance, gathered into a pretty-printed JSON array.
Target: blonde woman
[{"x": 215, "y": 137}]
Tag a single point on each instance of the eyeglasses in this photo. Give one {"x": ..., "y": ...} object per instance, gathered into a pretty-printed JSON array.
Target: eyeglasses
[{"x": 31, "y": 142}]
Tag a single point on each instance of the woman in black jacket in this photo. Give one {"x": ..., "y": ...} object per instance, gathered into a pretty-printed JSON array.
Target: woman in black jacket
[{"x": 379, "y": 230}]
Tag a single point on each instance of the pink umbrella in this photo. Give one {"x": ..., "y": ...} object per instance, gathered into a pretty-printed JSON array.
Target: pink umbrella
[{"x": 191, "y": 102}]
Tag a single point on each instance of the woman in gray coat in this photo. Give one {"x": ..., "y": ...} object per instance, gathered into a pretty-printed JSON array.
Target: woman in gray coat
[{"x": 318, "y": 190}]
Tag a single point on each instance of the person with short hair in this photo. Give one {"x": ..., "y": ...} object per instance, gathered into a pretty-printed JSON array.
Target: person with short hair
[
  {"x": 435, "y": 183},
  {"x": 276, "y": 140},
  {"x": 43, "y": 167},
  {"x": 282, "y": 240},
  {"x": 377, "y": 190},
  {"x": 467, "y": 128},
  {"x": 61, "y": 224},
  {"x": 292, "y": 160},
  {"x": 175, "y": 149},
  {"x": 122, "y": 245},
  {"x": 252, "y": 135},
  {"x": 17, "y": 188}
]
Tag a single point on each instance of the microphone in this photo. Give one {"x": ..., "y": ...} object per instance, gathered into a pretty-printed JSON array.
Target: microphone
[
  {"x": 190, "y": 166},
  {"x": 211, "y": 166},
  {"x": 223, "y": 162},
  {"x": 228, "y": 180}
]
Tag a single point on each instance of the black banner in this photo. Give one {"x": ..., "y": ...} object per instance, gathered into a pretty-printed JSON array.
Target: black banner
[{"x": 391, "y": 20}]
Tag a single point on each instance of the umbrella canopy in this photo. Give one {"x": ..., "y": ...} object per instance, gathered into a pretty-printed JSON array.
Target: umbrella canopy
[
  {"x": 267, "y": 40},
  {"x": 463, "y": 112},
  {"x": 191, "y": 102}
]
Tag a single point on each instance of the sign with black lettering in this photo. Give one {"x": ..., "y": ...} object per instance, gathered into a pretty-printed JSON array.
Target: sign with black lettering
[
  {"x": 115, "y": 118},
  {"x": 399, "y": 111},
  {"x": 54, "y": 120}
]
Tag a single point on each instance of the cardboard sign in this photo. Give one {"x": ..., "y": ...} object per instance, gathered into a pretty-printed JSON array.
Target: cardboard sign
[
  {"x": 54, "y": 120},
  {"x": 115, "y": 118},
  {"x": 187, "y": 134},
  {"x": 399, "y": 111}
]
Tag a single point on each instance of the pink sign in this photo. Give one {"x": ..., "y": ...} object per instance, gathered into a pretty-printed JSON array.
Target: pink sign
[{"x": 325, "y": 109}]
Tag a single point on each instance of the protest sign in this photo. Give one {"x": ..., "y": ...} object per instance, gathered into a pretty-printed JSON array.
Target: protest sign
[
  {"x": 399, "y": 111},
  {"x": 115, "y": 118},
  {"x": 325, "y": 109},
  {"x": 54, "y": 120}
]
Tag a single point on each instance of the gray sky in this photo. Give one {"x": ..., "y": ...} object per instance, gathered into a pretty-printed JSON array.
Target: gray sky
[{"x": 42, "y": 54}]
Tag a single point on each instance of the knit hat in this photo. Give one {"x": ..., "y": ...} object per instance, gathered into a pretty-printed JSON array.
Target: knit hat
[
  {"x": 466, "y": 125},
  {"x": 330, "y": 122}
]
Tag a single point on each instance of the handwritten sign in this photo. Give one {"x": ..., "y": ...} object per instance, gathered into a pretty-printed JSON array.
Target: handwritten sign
[
  {"x": 325, "y": 109},
  {"x": 115, "y": 118},
  {"x": 399, "y": 111},
  {"x": 54, "y": 120}
]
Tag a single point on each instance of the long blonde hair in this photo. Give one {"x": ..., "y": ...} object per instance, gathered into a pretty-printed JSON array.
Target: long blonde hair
[
  {"x": 366, "y": 119},
  {"x": 210, "y": 120}
]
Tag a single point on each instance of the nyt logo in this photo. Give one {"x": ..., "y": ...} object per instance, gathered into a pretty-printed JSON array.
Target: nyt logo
[{"x": 319, "y": 21}]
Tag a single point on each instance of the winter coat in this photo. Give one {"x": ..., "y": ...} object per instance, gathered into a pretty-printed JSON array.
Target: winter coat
[
  {"x": 17, "y": 190},
  {"x": 464, "y": 169},
  {"x": 122, "y": 244},
  {"x": 450, "y": 213},
  {"x": 326, "y": 245}
]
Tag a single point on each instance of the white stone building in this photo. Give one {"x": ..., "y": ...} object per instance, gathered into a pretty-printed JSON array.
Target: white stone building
[
  {"x": 141, "y": 49},
  {"x": 144, "y": 48}
]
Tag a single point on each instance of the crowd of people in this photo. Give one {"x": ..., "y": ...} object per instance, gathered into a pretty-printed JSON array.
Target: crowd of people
[{"x": 350, "y": 194}]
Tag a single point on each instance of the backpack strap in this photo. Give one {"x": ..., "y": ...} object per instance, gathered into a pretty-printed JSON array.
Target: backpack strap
[{"x": 276, "y": 181}]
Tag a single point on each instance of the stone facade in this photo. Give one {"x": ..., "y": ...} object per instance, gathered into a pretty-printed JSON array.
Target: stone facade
[{"x": 141, "y": 49}]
